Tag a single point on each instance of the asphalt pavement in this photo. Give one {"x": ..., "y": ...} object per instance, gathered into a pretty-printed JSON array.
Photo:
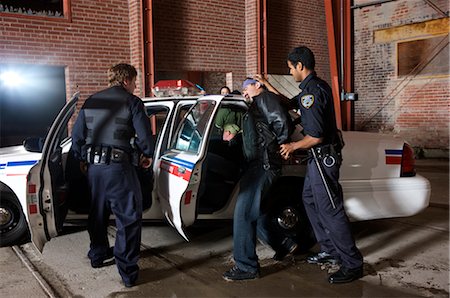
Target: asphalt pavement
[{"x": 404, "y": 257}]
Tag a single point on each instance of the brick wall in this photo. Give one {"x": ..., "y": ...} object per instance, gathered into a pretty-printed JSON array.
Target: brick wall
[
  {"x": 251, "y": 38},
  {"x": 97, "y": 37},
  {"x": 295, "y": 23},
  {"x": 217, "y": 37},
  {"x": 194, "y": 35},
  {"x": 413, "y": 107},
  {"x": 136, "y": 42}
]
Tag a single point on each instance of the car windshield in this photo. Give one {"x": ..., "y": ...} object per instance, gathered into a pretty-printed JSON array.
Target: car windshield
[{"x": 192, "y": 129}]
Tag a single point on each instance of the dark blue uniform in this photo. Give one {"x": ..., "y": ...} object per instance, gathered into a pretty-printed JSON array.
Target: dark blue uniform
[
  {"x": 330, "y": 223},
  {"x": 101, "y": 136}
]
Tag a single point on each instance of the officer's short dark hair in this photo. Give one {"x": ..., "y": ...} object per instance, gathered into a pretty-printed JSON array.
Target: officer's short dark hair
[
  {"x": 119, "y": 73},
  {"x": 304, "y": 55}
]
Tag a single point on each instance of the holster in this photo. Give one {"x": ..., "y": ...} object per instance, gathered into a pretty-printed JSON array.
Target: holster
[
  {"x": 104, "y": 155},
  {"x": 328, "y": 154}
]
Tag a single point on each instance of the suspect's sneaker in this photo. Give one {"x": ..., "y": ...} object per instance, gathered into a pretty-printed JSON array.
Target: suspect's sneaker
[
  {"x": 107, "y": 261},
  {"x": 322, "y": 258},
  {"x": 237, "y": 274}
]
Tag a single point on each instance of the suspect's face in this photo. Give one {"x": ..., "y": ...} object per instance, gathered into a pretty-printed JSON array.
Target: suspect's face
[{"x": 250, "y": 91}]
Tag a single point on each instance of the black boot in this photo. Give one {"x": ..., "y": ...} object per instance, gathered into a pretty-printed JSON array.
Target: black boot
[{"x": 345, "y": 275}]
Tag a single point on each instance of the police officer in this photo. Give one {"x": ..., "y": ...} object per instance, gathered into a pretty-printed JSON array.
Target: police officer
[
  {"x": 322, "y": 193},
  {"x": 110, "y": 123},
  {"x": 266, "y": 125}
]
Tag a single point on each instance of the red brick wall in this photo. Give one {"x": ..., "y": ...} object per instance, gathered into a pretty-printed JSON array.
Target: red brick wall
[
  {"x": 417, "y": 107},
  {"x": 251, "y": 37},
  {"x": 194, "y": 35},
  {"x": 97, "y": 37},
  {"x": 136, "y": 42},
  {"x": 295, "y": 23}
]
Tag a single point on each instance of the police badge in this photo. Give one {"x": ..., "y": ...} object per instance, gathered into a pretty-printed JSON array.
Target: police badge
[{"x": 307, "y": 100}]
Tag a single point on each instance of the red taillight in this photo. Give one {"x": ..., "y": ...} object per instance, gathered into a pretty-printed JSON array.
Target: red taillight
[{"x": 408, "y": 168}]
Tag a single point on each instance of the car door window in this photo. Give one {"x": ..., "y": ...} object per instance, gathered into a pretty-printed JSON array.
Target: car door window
[
  {"x": 157, "y": 116},
  {"x": 192, "y": 130}
]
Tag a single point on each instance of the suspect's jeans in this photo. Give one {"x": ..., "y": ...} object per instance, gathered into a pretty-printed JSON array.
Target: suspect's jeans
[{"x": 248, "y": 221}]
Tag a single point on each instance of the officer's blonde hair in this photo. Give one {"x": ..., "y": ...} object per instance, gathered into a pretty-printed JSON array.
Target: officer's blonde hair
[{"x": 119, "y": 73}]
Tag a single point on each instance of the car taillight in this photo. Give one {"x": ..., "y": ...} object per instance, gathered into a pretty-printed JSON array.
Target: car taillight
[{"x": 408, "y": 168}]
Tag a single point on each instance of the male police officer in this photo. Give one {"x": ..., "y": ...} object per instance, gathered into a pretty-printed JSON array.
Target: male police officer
[
  {"x": 322, "y": 193},
  {"x": 266, "y": 125},
  {"x": 102, "y": 138}
]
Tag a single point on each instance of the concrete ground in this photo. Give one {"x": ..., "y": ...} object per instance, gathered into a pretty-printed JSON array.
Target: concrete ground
[{"x": 404, "y": 257}]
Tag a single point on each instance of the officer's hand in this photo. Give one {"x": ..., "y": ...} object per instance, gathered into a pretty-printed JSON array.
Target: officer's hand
[
  {"x": 145, "y": 162},
  {"x": 286, "y": 150},
  {"x": 260, "y": 78},
  {"x": 83, "y": 167}
]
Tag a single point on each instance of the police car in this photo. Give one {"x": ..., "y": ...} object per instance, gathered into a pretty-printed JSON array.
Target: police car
[{"x": 196, "y": 174}]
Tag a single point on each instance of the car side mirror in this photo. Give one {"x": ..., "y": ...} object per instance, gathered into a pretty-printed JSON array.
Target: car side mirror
[{"x": 34, "y": 144}]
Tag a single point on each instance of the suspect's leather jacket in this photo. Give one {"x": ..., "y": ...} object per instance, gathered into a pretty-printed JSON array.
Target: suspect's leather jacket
[{"x": 266, "y": 126}]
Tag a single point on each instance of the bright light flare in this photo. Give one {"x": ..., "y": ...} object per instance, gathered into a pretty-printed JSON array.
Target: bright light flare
[{"x": 11, "y": 79}]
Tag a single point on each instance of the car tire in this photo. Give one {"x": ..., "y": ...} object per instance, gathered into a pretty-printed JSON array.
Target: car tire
[
  {"x": 13, "y": 225},
  {"x": 287, "y": 213}
]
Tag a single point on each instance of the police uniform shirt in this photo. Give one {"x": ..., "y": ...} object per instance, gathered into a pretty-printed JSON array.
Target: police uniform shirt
[
  {"x": 317, "y": 110},
  {"x": 138, "y": 121}
]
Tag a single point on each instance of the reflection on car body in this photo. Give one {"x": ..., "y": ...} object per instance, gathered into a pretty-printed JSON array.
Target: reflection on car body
[{"x": 195, "y": 174}]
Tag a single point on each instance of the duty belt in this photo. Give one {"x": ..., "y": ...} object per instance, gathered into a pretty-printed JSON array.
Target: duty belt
[
  {"x": 106, "y": 155},
  {"x": 327, "y": 154}
]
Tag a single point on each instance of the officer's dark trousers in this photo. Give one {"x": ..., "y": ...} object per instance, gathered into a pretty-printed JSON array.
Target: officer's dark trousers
[
  {"x": 248, "y": 220},
  {"x": 331, "y": 226},
  {"x": 115, "y": 188}
]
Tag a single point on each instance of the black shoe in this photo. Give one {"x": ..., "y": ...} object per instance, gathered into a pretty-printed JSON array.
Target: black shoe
[
  {"x": 288, "y": 247},
  {"x": 322, "y": 258},
  {"x": 344, "y": 275},
  {"x": 129, "y": 284},
  {"x": 237, "y": 274},
  {"x": 107, "y": 261}
]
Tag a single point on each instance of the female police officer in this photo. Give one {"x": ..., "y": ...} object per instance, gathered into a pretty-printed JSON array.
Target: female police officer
[{"x": 322, "y": 193}]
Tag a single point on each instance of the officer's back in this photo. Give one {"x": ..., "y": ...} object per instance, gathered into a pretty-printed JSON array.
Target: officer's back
[{"x": 112, "y": 125}]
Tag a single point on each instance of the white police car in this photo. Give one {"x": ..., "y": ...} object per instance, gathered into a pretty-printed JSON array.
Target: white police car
[{"x": 196, "y": 175}]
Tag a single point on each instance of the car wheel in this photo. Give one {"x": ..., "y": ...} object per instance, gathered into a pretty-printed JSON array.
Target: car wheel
[
  {"x": 13, "y": 226},
  {"x": 288, "y": 214},
  {"x": 293, "y": 222}
]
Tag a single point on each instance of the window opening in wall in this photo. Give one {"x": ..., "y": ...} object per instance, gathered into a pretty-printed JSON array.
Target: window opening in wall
[
  {"x": 30, "y": 98},
  {"x": 424, "y": 57},
  {"x": 42, "y": 8}
]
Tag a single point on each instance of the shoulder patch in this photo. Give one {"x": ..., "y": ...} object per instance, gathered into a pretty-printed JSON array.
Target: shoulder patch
[{"x": 307, "y": 100}]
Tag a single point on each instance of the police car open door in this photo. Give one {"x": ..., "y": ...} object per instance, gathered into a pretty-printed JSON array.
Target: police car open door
[
  {"x": 181, "y": 166},
  {"x": 45, "y": 183}
]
